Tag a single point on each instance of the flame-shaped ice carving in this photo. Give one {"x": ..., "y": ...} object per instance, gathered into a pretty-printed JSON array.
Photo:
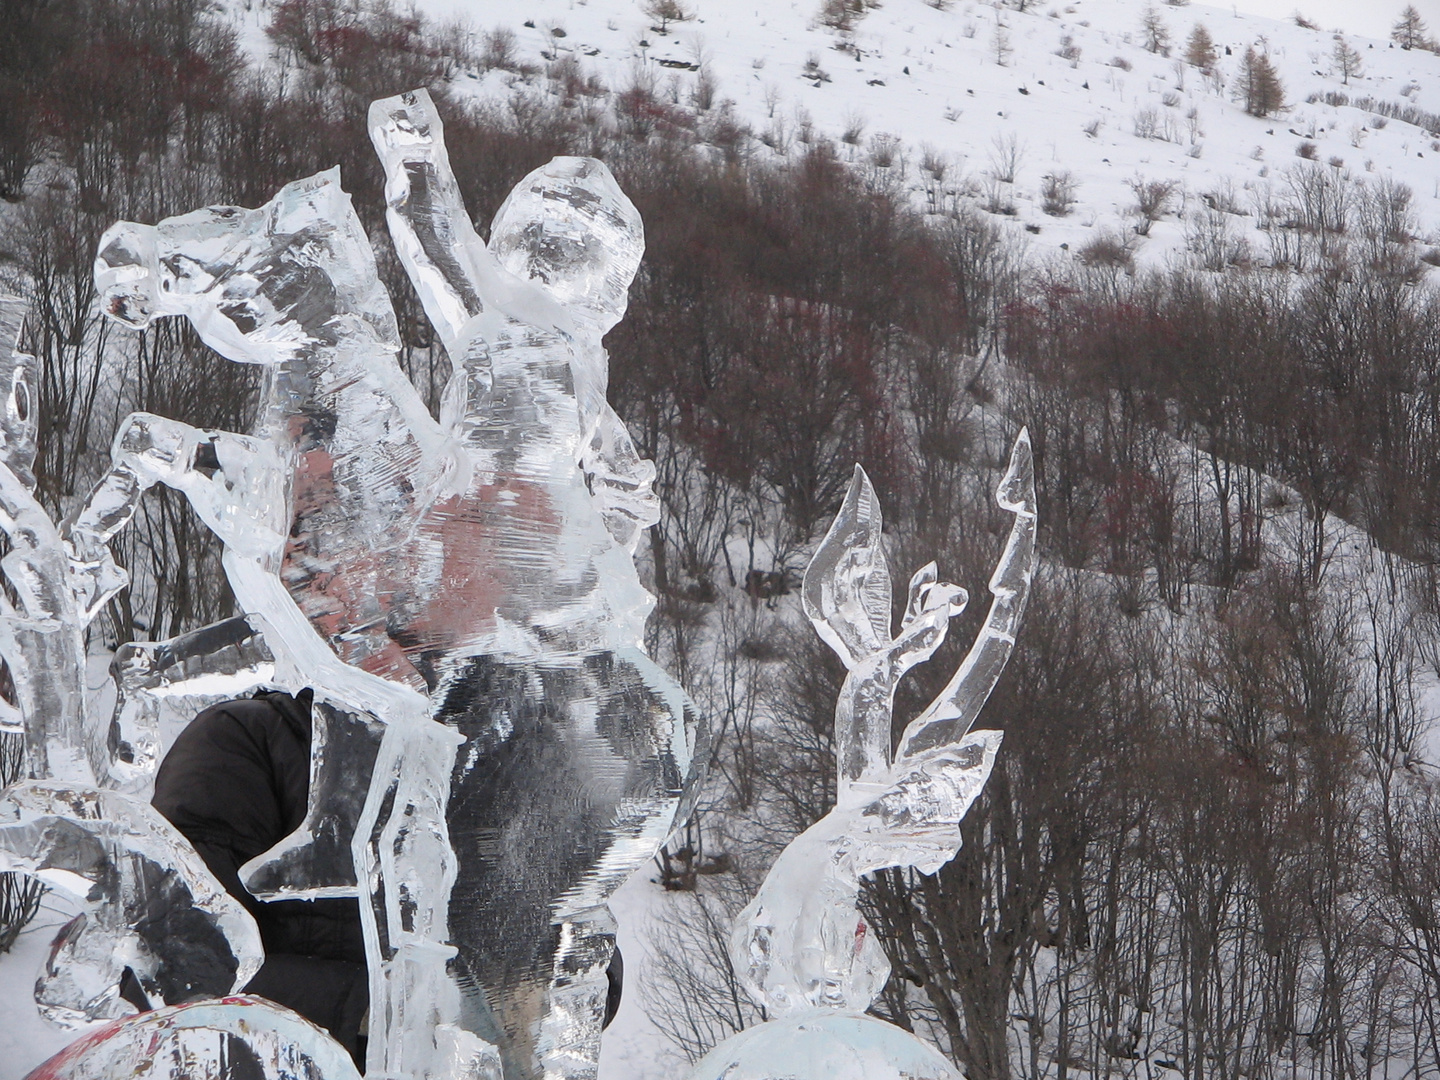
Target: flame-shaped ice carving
[{"x": 801, "y": 947}]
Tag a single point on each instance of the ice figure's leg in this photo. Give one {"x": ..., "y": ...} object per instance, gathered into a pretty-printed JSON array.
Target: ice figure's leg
[
  {"x": 569, "y": 1043},
  {"x": 150, "y": 903},
  {"x": 568, "y": 780},
  {"x": 402, "y": 850}
]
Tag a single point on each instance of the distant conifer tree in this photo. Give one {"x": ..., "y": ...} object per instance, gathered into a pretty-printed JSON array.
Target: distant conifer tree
[
  {"x": 1157, "y": 34},
  {"x": 1409, "y": 32},
  {"x": 1200, "y": 49},
  {"x": 1260, "y": 87},
  {"x": 1346, "y": 60}
]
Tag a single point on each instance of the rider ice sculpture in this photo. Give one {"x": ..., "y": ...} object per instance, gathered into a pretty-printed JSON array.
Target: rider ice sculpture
[
  {"x": 493, "y": 752},
  {"x": 801, "y": 947},
  {"x": 466, "y": 584}
]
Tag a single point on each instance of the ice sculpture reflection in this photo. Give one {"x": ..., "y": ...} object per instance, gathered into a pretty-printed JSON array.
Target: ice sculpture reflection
[
  {"x": 460, "y": 592},
  {"x": 801, "y": 947}
]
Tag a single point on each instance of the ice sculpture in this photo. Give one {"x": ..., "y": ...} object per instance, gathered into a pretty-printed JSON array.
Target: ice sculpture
[
  {"x": 493, "y": 754},
  {"x": 163, "y": 685},
  {"x": 225, "y": 1039},
  {"x": 61, "y": 577},
  {"x": 150, "y": 905},
  {"x": 492, "y": 746},
  {"x": 801, "y": 947}
]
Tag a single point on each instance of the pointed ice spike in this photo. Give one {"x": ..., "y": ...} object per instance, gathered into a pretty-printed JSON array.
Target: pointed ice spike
[
  {"x": 946, "y": 720},
  {"x": 846, "y": 591},
  {"x": 18, "y": 418}
]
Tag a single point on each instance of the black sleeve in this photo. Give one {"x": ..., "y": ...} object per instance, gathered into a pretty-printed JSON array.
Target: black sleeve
[
  {"x": 235, "y": 783},
  {"x": 237, "y": 778}
]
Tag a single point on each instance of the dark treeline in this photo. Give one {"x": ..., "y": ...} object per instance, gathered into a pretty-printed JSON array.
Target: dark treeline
[{"x": 1210, "y": 843}]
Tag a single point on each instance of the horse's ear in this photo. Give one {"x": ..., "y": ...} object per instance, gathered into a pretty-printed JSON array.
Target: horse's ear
[{"x": 569, "y": 228}]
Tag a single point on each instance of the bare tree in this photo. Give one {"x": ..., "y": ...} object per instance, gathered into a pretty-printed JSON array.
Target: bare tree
[
  {"x": 1000, "y": 47},
  {"x": 1346, "y": 60},
  {"x": 1409, "y": 31},
  {"x": 665, "y": 12}
]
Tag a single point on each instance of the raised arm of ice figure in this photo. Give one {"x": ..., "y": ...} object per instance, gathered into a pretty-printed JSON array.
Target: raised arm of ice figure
[
  {"x": 801, "y": 943},
  {"x": 564, "y": 248},
  {"x": 459, "y": 280},
  {"x": 237, "y": 485}
]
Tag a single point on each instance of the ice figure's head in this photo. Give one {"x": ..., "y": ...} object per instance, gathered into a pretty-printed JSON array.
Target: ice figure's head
[
  {"x": 127, "y": 273},
  {"x": 569, "y": 227},
  {"x": 259, "y": 285}
]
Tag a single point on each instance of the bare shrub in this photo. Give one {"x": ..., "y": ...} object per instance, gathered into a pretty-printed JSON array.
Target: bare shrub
[
  {"x": 1146, "y": 123},
  {"x": 1007, "y": 154},
  {"x": 1152, "y": 201},
  {"x": 933, "y": 162},
  {"x": 884, "y": 149},
  {"x": 813, "y": 70},
  {"x": 497, "y": 51},
  {"x": 1107, "y": 250},
  {"x": 19, "y": 893},
  {"x": 1057, "y": 193}
]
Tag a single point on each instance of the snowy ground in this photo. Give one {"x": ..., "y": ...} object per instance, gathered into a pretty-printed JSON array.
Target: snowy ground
[
  {"x": 984, "y": 92},
  {"x": 25, "y": 1039}
]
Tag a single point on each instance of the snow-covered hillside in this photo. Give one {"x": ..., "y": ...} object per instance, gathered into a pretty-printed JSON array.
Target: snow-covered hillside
[{"x": 970, "y": 100}]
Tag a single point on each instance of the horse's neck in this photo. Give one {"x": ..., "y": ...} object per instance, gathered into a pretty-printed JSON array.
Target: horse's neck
[{"x": 308, "y": 400}]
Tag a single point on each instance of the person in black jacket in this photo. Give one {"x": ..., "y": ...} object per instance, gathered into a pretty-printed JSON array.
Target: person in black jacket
[{"x": 235, "y": 784}]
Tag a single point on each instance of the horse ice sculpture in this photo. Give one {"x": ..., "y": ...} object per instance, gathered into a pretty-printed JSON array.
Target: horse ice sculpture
[{"x": 493, "y": 754}]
